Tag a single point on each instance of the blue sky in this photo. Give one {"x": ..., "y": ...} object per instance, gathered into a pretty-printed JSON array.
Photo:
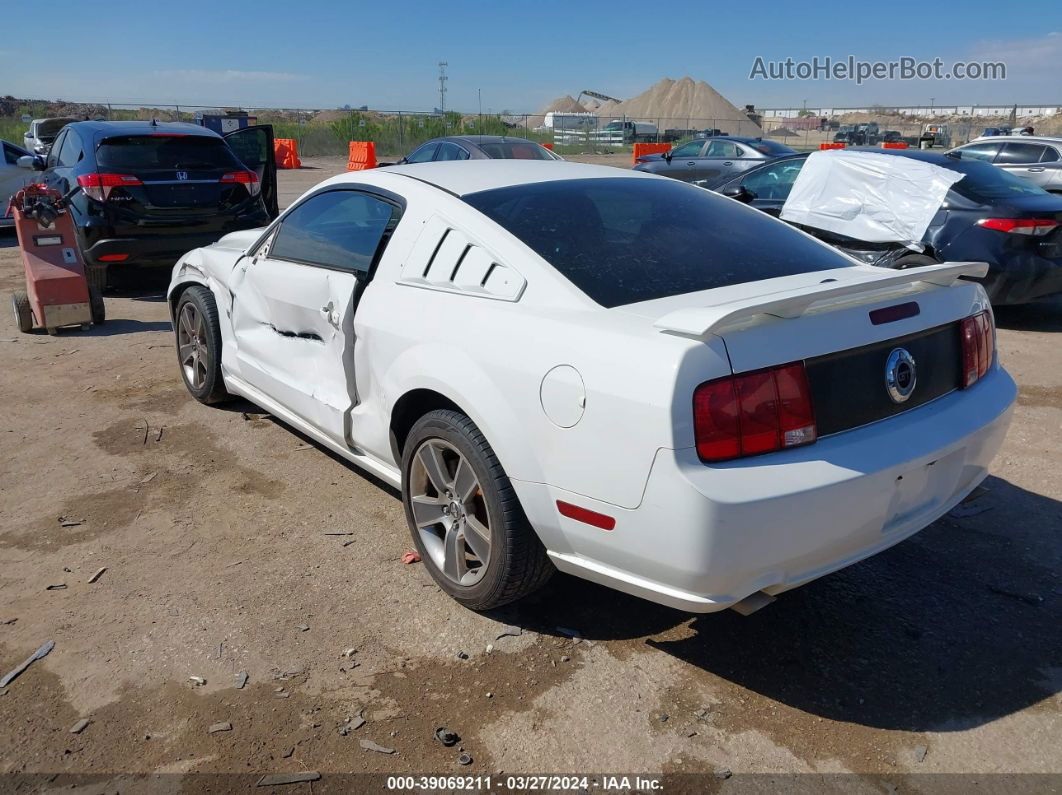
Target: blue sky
[{"x": 327, "y": 53}]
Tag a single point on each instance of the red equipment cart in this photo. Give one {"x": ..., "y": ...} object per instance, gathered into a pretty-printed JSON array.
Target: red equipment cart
[{"x": 57, "y": 293}]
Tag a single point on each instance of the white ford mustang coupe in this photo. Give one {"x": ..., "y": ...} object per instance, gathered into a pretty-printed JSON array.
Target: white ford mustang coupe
[{"x": 614, "y": 374}]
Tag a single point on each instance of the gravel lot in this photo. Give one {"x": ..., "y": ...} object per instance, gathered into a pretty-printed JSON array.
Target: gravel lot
[{"x": 217, "y": 530}]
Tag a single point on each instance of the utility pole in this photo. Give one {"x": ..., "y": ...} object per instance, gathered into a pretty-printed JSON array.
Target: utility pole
[{"x": 442, "y": 86}]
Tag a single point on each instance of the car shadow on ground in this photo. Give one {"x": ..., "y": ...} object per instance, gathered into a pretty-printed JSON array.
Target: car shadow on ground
[
  {"x": 118, "y": 326},
  {"x": 951, "y": 629},
  {"x": 1043, "y": 315},
  {"x": 8, "y": 238}
]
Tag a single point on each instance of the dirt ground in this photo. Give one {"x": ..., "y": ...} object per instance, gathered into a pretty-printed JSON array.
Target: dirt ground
[{"x": 231, "y": 544}]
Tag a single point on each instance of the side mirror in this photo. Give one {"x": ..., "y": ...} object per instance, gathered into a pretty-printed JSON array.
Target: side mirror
[
  {"x": 33, "y": 162},
  {"x": 668, "y": 155},
  {"x": 739, "y": 192}
]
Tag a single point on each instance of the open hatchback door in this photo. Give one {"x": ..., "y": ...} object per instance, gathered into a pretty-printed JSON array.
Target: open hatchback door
[{"x": 254, "y": 147}]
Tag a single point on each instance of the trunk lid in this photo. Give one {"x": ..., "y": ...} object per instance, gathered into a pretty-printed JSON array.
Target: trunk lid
[{"x": 843, "y": 324}]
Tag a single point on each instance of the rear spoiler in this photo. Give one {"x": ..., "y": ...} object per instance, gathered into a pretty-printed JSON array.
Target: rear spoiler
[{"x": 703, "y": 320}]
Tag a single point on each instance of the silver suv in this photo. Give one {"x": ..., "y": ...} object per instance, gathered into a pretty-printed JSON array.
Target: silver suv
[{"x": 1037, "y": 159}]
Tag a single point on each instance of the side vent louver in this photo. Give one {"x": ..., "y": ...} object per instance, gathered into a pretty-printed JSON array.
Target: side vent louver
[{"x": 443, "y": 258}]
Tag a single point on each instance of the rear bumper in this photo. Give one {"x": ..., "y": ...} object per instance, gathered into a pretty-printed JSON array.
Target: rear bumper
[
  {"x": 705, "y": 537},
  {"x": 158, "y": 246},
  {"x": 156, "y": 251}
]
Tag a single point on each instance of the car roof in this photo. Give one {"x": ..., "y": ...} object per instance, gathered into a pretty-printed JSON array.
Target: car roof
[
  {"x": 462, "y": 177},
  {"x": 105, "y": 128},
  {"x": 487, "y": 139},
  {"x": 1025, "y": 139}
]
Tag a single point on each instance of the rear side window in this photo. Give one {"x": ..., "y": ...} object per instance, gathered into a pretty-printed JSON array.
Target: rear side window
[
  {"x": 339, "y": 229},
  {"x": 449, "y": 151},
  {"x": 772, "y": 148},
  {"x": 1021, "y": 153},
  {"x": 169, "y": 152},
  {"x": 623, "y": 240}
]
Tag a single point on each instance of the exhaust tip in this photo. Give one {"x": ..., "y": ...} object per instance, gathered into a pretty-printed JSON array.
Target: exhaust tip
[{"x": 751, "y": 603}]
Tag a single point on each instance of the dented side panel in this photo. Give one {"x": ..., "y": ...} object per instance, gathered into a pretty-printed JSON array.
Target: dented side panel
[{"x": 293, "y": 326}]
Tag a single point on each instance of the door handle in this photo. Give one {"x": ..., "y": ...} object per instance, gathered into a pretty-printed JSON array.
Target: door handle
[
  {"x": 1037, "y": 168},
  {"x": 728, "y": 162},
  {"x": 691, "y": 162}
]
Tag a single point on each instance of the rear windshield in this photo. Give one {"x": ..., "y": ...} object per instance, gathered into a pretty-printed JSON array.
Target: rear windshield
[
  {"x": 516, "y": 150},
  {"x": 986, "y": 183},
  {"x": 165, "y": 152},
  {"x": 772, "y": 148},
  {"x": 623, "y": 240}
]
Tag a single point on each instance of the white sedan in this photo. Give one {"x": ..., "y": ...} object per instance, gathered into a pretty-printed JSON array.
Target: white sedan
[{"x": 610, "y": 373}]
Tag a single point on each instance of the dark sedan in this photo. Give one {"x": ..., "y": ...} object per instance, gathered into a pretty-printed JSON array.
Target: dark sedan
[
  {"x": 478, "y": 147},
  {"x": 709, "y": 159},
  {"x": 988, "y": 216}
]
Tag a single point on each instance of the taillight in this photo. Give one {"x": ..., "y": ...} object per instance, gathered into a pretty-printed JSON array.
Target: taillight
[
  {"x": 1020, "y": 226},
  {"x": 248, "y": 179},
  {"x": 753, "y": 413},
  {"x": 978, "y": 347},
  {"x": 99, "y": 186}
]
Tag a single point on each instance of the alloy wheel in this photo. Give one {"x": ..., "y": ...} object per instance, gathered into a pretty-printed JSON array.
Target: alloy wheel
[
  {"x": 192, "y": 348},
  {"x": 450, "y": 511}
]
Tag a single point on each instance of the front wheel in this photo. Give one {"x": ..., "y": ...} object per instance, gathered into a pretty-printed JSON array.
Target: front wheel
[
  {"x": 23, "y": 314},
  {"x": 465, "y": 518},
  {"x": 199, "y": 345}
]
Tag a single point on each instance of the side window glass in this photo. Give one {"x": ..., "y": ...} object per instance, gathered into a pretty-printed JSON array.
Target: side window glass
[
  {"x": 722, "y": 149},
  {"x": 773, "y": 182},
  {"x": 449, "y": 151},
  {"x": 424, "y": 154},
  {"x": 1050, "y": 155},
  {"x": 985, "y": 152},
  {"x": 70, "y": 150},
  {"x": 53, "y": 153},
  {"x": 1021, "y": 153},
  {"x": 691, "y": 149},
  {"x": 11, "y": 156},
  {"x": 339, "y": 229}
]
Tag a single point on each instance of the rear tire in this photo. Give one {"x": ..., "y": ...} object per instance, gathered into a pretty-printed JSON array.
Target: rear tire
[
  {"x": 96, "y": 306},
  {"x": 23, "y": 314},
  {"x": 501, "y": 565},
  {"x": 96, "y": 276},
  {"x": 198, "y": 338}
]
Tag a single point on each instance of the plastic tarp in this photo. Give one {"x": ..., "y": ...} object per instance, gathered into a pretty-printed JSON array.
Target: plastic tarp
[{"x": 868, "y": 196}]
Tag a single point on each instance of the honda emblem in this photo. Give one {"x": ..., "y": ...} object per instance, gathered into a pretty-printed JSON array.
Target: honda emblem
[{"x": 182, "y": 175}]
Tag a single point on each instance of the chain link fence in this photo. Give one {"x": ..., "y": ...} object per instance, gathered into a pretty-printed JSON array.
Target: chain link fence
[{"x": 325, "y": 133}]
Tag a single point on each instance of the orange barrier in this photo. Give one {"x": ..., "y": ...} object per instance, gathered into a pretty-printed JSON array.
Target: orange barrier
[
  {"x": 893, "y": 145},
  {"x": 648, "y": 149},
  {"x": 831, "y": 146},
  {"x": 362, "y": 155},
  {"x": 548, "y": 146},
  {"x": 287, "y": 153}
]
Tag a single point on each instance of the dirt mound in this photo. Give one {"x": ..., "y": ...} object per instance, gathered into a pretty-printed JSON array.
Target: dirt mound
[
  {"x": 674, "y": 101},
  {"x": 565, "y": 104}
]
